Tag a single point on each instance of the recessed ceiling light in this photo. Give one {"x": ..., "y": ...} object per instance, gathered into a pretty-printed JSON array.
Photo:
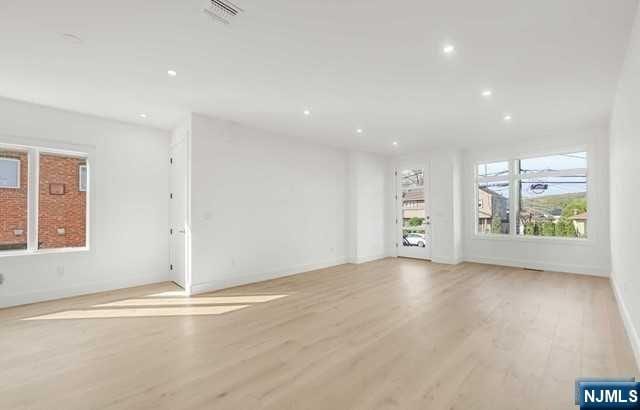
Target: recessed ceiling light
[
  {"x": 307, "y": 112},
  {"x": 448, "y": 49},
  {"x": 394, "y": 143},
  {"x": 172, "y": 73},
  {"x": 143, "y": 115},
  {"x": 487, "y": 93},
  {"x": 359, "y": 131},
  {"x": 507, "y": 117}
]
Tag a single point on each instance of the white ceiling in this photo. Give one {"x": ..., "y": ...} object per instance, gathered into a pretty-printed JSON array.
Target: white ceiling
[{"x": 372, "y": 64}]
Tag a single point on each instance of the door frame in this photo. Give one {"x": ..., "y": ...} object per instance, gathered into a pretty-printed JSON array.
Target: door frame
[
  {"x": 177, "y": 139},
  {"x": 413, "y": 252}
]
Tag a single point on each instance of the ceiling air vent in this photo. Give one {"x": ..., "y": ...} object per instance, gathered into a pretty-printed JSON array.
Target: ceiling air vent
[{"x": 222, "y": 10}]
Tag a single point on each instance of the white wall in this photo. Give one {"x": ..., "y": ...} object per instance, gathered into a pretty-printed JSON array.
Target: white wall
[
  {"x": 129, "y": 207},
  {"x": 368, "y": 178},
  {"x": 625, "y": 191},
  {"x": 591, "y": 256},
  {"x": 446, "y": 218},
  {"x": 263, "y": 205}
]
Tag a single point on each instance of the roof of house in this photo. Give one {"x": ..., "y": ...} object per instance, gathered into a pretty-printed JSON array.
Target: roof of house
[
  {"x": 534, "y": 215},
  {"x": 492, "y": 193}
]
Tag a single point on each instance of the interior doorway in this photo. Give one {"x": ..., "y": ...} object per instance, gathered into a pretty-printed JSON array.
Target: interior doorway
[{"x": 178, "y": 226}]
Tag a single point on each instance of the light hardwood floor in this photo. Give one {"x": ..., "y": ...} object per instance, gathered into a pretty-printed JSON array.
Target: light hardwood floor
[{"x": 396, "y": 333}]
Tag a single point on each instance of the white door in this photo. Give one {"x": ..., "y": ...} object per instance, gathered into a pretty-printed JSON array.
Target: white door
[
  {"x": 413, "y": 217},
  {"x": 178, "y": 213}
]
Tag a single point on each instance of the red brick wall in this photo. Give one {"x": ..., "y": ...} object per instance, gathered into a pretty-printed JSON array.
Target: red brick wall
[
  {"x": 66, "y": 211},
  {"x": 13, "y": 206}
]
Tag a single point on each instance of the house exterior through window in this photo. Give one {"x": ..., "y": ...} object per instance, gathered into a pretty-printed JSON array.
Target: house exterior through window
[{"x": 58, "y": 208}]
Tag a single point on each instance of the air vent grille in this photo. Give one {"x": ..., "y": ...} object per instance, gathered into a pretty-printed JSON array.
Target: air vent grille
[{"x": 222, "y": 11}]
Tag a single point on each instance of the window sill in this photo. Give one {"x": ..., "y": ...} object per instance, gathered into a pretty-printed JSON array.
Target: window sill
[
  {"x": 534, "y": 239},
  {"x": 25, "y": 252}
]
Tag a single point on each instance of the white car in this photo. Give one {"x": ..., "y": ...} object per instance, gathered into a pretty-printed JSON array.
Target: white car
[{"x": 415, "y": 239}]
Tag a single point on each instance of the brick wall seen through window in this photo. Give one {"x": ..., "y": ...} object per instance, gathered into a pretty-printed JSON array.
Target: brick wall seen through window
[{"x": 62, "y": 207}]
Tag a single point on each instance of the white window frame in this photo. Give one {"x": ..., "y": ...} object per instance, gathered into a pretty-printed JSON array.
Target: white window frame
[
  {"x": 33, "y": 184},
  {"x": 514, "y": 178},
  {"x": 17, "y": 186}
]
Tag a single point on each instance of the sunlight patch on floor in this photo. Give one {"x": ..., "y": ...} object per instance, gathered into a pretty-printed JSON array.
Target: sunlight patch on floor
[
  {"x": 205, "y": 300},
  {"x": 169, "y": 294},
  {"x": 146, "y": 312},
  {"x": 157, "y": 306}
]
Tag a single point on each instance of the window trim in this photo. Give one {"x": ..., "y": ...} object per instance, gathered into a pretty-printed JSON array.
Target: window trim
[
  {"x": 514, "y": 178},
  {"x": 18, "y": 186},
  {"x": 33, "y": 183}
]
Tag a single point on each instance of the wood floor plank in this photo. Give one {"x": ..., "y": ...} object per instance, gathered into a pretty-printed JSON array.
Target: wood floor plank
[{"x": 389, "y": 334}]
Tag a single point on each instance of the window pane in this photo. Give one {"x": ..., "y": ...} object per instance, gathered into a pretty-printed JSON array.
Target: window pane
[
  {"x": 9, "y": 171},
  {"x": 493, "y": 207},
  {"x": 82, "y": 170},
  {"x": 554, "y": 206},
  {"x": 13, "y": 199},
  {"x": 412, "y": 178},
  {"x": 576, "y": 163},
  {"x": 62, "y": 205},
  {"x": 492, "y": 169},
  {"x": 413, "y": 218}
]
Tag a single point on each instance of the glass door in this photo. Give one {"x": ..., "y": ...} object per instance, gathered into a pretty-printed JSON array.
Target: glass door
[{"x": 413, "y": 218}]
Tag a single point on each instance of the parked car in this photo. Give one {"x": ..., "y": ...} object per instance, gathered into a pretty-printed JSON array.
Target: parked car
[{"x": 414, "y": 239}]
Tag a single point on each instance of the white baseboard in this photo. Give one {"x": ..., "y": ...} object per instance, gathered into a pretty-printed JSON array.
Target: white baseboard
[
  {"x": 446, "y": 260},
  {"x": 552, "y": 267},
  {"x": 632, "y": 332},
  {"x": 77, "y": 290},
  {"x": 364, "y": 259},
  {"x": 211, "y": 286}
]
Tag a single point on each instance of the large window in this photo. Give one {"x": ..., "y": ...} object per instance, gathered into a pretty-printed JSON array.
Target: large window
[
  {"x": 548, "y": 194},
  {"x": 46, "y": 209}
]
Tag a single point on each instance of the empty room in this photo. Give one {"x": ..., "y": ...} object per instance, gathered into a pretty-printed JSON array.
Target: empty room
[{"x": 242, "y": 204}]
